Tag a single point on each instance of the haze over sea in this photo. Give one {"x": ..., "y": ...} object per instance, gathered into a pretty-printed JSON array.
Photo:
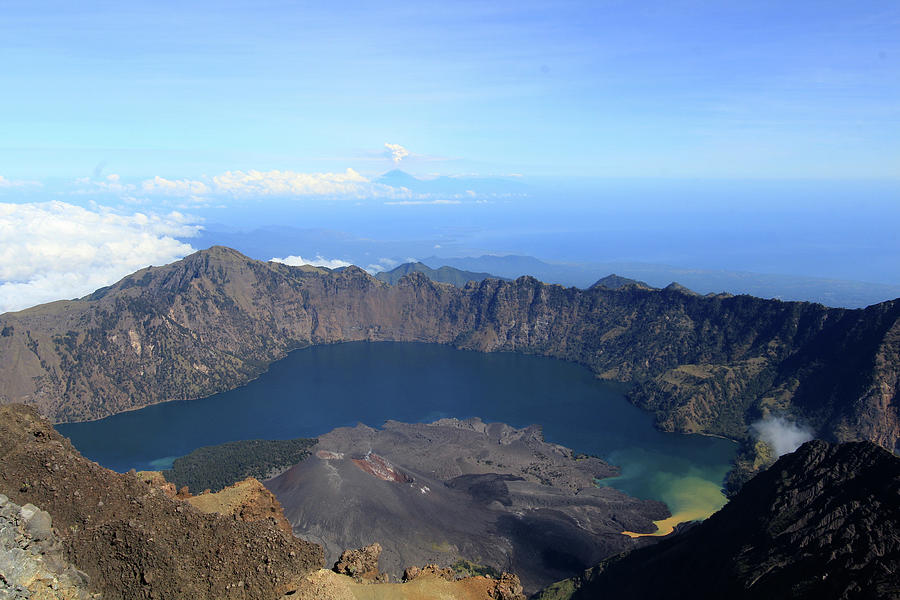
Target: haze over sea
[
  {"x": 827, "y": 229},
  {"x": 316, "y": 389}
]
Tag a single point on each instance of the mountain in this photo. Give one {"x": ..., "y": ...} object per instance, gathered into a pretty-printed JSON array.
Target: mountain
[
  {"x": 821, "y": 523},
  {"x": 441, "y": 275},
  {"x": 398, "y": 178},
  {"x": 217, "y": 319},
  {"x": 616, "y": 282},
  {"x": 281, "y": 241},
  {"x": 513, "y": 266},
  {"x": 830, "y": 292},
  {"x": 461, "y": 490}
]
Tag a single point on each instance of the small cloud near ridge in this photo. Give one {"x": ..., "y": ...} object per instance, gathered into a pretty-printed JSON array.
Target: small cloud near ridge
[
  {"x": 386, "y": 264},
  {"x": 781, "y": 434},
  {"x": 318, "y": 261}
]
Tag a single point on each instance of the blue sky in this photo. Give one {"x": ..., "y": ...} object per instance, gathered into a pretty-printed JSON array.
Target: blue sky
[
  {"x": 633, "y": 89},
  {"x": 757, "y": 136}
]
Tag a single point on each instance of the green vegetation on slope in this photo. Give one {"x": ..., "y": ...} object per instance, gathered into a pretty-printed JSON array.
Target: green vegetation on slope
[
  {"x": 467, "y": 568},
  {"x": 216, "y": 467}
]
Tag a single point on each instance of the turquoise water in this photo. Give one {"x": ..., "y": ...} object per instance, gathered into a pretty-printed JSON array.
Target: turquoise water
[{"x": 316, "y": 389}]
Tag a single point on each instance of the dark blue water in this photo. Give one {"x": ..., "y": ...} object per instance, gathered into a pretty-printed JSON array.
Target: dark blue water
[{"x": 316, "y": 389}]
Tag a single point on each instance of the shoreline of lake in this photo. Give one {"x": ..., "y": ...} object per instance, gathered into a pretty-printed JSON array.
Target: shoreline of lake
[{"x": 416, "y": 382}]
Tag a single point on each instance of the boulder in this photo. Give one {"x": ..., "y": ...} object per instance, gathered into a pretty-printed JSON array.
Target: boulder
[
  {"x": 361, "y": 564},
  {"x": 444, "y": 573}
]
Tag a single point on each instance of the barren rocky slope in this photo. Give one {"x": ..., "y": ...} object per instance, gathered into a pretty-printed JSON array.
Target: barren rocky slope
[
  {"x": 32, "y": 563},
  {"x": 822, "y": 523},
  {"x": 328, "y": 585},
  {"x": 216, "y": 319},
  {"x": 246, "y": 500},
  {"x": 131, "y": 538},
  {"x": 438, "y": 493}
]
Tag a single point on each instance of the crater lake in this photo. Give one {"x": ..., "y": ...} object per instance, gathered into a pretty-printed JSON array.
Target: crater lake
[{"x": 316, "y": 389}]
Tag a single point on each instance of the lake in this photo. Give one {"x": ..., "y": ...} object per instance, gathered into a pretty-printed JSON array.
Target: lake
[{"x": 316, "y": 389}]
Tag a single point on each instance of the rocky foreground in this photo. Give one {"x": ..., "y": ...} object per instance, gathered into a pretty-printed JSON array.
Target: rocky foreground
[
  {"x": 216, "y": 319},
  {"x": 71, "y": 529},
  {"x": 130, "y": 538},
  {"x": 822, "y": 523},
  {"x": 32, "y": 562}
]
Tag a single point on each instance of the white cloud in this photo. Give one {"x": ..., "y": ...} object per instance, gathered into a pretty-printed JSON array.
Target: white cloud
[
  {"x": 396, "y": 152},
  {"x": 261, "y": 184},
  {"x": 176, "y": 187},
  {"x": 290, "y": 183},
  {"x": 318, "y": 261},
  {"x": 253, "y": 183},
  {"x": 383, "y": 264},
  {"x": 16, "y": 183},
  {"x": 54, "y": 250},
  {"x": 386, "y": 264},
  {"x": 780, "y": 434},
  {"x": 111, "y": 184}
]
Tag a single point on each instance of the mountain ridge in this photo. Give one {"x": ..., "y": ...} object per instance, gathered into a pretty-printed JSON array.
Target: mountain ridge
[
  {"x": 216, "y": 319},
  {"x": 830, "y": 292},
  {"x": 443, "y": 274}
]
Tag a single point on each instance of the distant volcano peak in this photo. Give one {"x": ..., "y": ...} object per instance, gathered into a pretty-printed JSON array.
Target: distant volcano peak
[{"x": 397, "y": 177}]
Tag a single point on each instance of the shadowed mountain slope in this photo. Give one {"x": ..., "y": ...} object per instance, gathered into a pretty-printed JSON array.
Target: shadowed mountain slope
[
  {"x": 822, "y": 523},
  {"x": 216, "y": 319}
]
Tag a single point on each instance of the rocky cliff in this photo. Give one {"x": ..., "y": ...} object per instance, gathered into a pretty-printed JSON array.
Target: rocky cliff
[
  {"x": 216, "y": 319},
  {"x": 822, "y": 523},
  {"x": 246, "y": 500},
  {"x": 32, "y": 563},
  {"x": 130, "y": 538}
]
